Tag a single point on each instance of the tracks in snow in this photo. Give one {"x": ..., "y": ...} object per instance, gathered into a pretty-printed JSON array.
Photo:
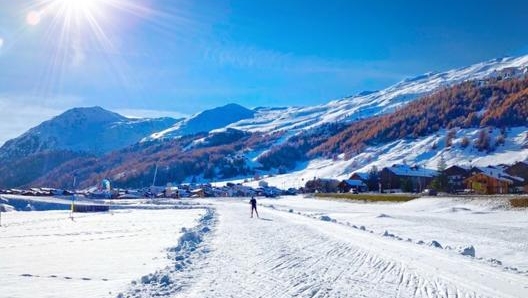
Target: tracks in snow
[{"x": 287, "y": 255}]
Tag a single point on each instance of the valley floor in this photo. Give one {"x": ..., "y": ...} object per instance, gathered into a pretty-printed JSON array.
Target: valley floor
[{"x": 298, "y": 247}]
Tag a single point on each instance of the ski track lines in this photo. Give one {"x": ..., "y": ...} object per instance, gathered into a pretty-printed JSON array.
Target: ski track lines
[
  {"x": 287, "y": 255},
  {"x": 57, "y": 257}
]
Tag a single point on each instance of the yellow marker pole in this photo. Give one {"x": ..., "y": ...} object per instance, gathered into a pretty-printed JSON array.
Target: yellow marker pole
[{"x": 72, "y": 206}]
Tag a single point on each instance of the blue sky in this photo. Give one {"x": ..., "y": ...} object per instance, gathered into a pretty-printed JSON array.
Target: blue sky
[{"x": 178, "y": 57}]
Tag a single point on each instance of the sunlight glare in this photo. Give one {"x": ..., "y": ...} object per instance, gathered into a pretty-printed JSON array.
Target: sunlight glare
[
  {"x": 78, "y": 32},
  {"x": 33, "y": 18},
  {"x": 79, "y": 6}
]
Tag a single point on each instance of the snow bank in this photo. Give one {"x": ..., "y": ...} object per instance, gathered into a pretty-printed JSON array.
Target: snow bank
[
  {"x": 174, "y": 278},
  {"x": 6, "y": 208}
]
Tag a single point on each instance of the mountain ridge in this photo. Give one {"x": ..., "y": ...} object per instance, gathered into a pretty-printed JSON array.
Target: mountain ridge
[
  {"x": 206, "y": 121},
  {"x": 249, "y": 145},
  {"x": 76, "y": 133}
]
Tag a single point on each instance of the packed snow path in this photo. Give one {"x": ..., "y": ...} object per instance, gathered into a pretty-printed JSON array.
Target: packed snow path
[{"x": 285, "y": 254}]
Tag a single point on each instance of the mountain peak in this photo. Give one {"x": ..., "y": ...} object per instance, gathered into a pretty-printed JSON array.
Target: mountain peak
[
  {"x": 208, "y": 120},
  {"x": 83, "y": 129},
  {"x": 93, "y": 114}
]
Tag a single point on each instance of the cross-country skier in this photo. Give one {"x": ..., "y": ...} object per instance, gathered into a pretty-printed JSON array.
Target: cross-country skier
[{"x": 253, "y": 203}]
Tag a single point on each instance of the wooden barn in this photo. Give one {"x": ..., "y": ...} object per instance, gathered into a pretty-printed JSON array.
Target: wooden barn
[{"x": 491, "y": 180}]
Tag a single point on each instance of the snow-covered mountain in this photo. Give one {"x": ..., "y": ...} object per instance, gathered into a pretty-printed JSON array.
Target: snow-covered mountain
[
  {"x": 206, "y": 121},
  {"x": 279, "y": 138},
  {"x": 363, "y": 105},
  {"x": 92, "y": 130},
  {"x": 424, "y": 152},
  {"x": 368, "y": 104}
]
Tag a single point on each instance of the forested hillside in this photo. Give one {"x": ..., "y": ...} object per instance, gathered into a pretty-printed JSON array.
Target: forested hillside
[
  {"x": 495, "y": 102},
  {"x": 207, "y": 156}
]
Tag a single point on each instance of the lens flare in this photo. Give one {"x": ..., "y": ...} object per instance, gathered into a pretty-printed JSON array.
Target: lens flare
[{"x": 33, "y": 18}]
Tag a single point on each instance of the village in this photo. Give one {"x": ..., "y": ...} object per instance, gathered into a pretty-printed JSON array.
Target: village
[
  {"x": 456, "y": 179},
  {"x": 398, "y": 178}
]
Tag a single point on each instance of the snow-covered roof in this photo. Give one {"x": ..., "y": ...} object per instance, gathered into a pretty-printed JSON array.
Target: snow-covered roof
[
  {"x": 498, "y": 173},
  {"x": 463, "y": 167},
  {"x": 352, "y": 182},
  {"x": 415, "y": 171}
]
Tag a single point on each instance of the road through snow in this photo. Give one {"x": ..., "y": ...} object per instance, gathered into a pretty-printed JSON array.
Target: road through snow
[{"x": 284, "y": 254}]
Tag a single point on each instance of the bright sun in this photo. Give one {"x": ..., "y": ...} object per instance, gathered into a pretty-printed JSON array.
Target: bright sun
[
  {"x": 66, "y": 10},
  {"x": 79, "y": 5}
]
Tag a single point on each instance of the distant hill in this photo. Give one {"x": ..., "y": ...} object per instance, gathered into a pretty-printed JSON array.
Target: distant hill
[
  {"x": 488, "y": 113},
  {"x": 75, "y": 133},
  {"x": 92, "y": 130},
  {"x": 200, "y": 156}
]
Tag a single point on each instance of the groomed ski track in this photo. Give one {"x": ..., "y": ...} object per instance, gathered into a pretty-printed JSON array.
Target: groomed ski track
[{"x": 285, "y": 254}]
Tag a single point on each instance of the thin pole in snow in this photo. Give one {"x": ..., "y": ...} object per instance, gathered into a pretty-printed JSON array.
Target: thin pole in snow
[
  {"x": 155, "y": 174},
  {"x": 72, "y": 207}
]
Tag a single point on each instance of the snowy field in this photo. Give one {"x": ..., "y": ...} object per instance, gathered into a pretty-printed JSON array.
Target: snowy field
[
  {"x": 46, "y": 254},
  {"x": 498, "y": 235},
  {"x": 299, "y": 247}
]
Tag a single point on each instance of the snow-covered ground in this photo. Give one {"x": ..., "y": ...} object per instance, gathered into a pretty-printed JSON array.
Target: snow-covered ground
[
  {"x": 496, "y": 232},
  {"x": 310, "y": 248},
  {"x": 46, "y": 254},
  {"x": 299, "y": 247}
]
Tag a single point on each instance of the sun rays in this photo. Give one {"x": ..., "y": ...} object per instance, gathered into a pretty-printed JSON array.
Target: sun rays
[
  {"x": 75, "y": 34},
  {"x": 74, "y": 24}
]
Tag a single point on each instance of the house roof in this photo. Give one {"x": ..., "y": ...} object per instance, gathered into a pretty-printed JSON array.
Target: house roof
[
  {"x": 352, "y": 182},
  {"x": 463, "y": 167},
  {"x": 415, "y": 171},
  {"x": 361, "y": 175},
  {"x": 498, "y": 173}
]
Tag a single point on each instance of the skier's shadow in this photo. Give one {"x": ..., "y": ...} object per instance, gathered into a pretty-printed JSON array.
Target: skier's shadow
[{"x": 266, "y": 219}]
